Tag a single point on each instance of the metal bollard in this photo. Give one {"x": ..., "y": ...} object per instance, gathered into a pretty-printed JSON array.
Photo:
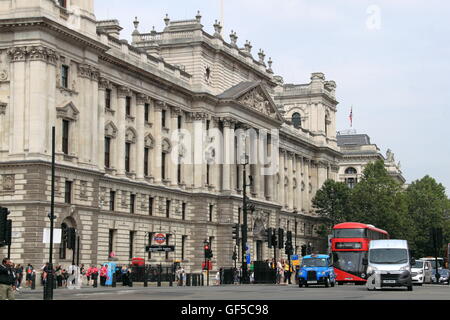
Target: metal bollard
[
  {"x": 33, "y": 282},
  {"x": 170, "y": 280},
  {"x": 203, "y": 280},
  {"x": 114, "y": 280},
  {"x": 194, "y": 280},
  {"x": 188, "y": 280},
  {"x": 145, "y": 278}
]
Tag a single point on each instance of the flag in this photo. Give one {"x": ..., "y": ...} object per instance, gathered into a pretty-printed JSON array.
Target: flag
[{"x": 351, "y": 117}]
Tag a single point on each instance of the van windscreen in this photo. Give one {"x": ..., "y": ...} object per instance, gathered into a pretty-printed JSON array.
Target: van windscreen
[{"x": 388, "y": 256}]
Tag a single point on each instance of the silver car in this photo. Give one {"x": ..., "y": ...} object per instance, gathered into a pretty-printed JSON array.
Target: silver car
[{"x": 421, "y": 272}]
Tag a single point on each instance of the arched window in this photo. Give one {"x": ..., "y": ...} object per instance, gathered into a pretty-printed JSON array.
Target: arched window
[
  {"x": 351, "y": 170},
  {"x": 297, "y": 120}
]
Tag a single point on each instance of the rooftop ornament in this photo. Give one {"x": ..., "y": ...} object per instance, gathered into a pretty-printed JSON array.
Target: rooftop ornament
[
  {"x": 233, "y": 37},
  {"x": 136, "y": 25},
  {"x": 217, "y": 29},
  {"x": 198, "y": 17},
  {"x": 270, "y": 62},
  {"x": 262, "y": 56},
  {"x": 248, "y": 47},
  {"x": 167, "y": 20}
]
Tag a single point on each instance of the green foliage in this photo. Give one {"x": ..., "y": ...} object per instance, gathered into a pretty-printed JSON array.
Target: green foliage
[
  {"x": 380, "y": 200},
  {"x": 332, "y": 201}
]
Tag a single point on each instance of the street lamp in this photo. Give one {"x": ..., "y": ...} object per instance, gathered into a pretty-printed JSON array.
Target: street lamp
[{"x": 246, "y": 206}]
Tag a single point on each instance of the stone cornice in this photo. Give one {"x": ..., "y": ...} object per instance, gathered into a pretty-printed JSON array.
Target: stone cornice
[
  {"x": 48, "y": 24},
  {"x": 88, "y": 71}
]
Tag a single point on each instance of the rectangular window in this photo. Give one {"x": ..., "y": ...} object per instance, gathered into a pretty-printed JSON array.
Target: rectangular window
[
  {"x": 146, "y": 153},
  {"x": 62, "y": 3},
  {"x": 131, "y": 244},
  {"x": 132, "y": 203},
  {"x": 65, "y": 136},
  {"x": 183, "y": 211},
  {"x": 183, "y": 245},
  {"x": 65, "y": 76},
  {"x": 163, "y": 166},
  {"x": 150, "y": 206},
  {"x": 108, "y": 98},
  {"x": 239, "y": 215},
  {"x": 211, "y": 210},
  {"x": 163, "y": 118},
  {"x": 179, "y": 173},
  {"x": 128, "y": 106},
  {"x": 107, "y": 152},
  {"x": 127, "y": 156},
  {"x": 111, "y": 241},
  {"x": 68, "y": 192},
  {"x": 208, "y": 168},
  {"x": 168, "y": 208},
  {"x": 147, "y": 112},
  {"x": 112, "y": 200},
  {"x": 180, "y": 119}
]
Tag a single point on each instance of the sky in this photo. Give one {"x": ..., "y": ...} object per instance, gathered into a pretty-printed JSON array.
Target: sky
[{"x": 389, "y": 58}]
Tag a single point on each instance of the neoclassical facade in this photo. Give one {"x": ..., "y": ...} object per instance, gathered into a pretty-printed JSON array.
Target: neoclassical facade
[
  {"x": 358, "y": 151},
  {"x": 151, "y": 137}
]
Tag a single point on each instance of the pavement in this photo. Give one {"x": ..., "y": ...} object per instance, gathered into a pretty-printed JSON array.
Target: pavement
[{"x": 241, "y": 292}]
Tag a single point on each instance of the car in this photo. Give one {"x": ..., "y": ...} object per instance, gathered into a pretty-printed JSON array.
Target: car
[
  {"x": 421, "y": 272},
  {"x": 443, "y": 276},
  {"x": 316, "y": 269}
]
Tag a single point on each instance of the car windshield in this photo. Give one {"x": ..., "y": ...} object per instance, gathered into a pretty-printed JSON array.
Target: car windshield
[
  {"x": 388, "y": 256},
  {"x": 350, "y": 261},
  {"x": 349, "y": 233},
  {"x": 433, "y": 263},
  {"x": 314, "y": 262},
  {"x": 418, "y": 264}
]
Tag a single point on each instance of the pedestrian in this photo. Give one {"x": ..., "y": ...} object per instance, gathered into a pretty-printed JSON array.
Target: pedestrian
[
  {"x": 124, "y": 272},
  {"x": 29, "y": 275},
  {"x": 218, "y": 278},
  {"x": 103, "y": 275},
  {"x": 59, "y": 276},
  {"x": 19, "y": 276},
  {"x": 94, "y": 276},
  {"x": 7, "y": 280},
  {"x": 82, "y": 273},
  {"x": 280, "y": 271}
]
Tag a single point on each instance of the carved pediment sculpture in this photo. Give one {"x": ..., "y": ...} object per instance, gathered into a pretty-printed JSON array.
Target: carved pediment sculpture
[{"x": 256, "y": 99}]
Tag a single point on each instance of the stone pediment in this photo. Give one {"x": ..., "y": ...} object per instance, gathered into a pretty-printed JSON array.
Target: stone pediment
[
  {"x": 68, "y": 111},
  {"x": 252, "y": 95}
]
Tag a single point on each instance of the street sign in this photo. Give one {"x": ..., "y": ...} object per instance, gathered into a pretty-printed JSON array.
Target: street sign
[
  {"x": 160, "y": 248},
  {"x": 248, "y": 258},
  {"x": 159, "y": 238},
  {"x": 56, "y": 236}
]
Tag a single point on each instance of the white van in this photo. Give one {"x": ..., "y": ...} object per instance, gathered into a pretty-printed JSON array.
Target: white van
[
  {"x": 421, "y": 272},
  {"x": 389, "y": 264}
]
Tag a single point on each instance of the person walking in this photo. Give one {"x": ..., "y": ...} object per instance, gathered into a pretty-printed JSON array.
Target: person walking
[
  {"x": 7, "y": 280},
  {"x": 280, "y": 271},
  {"x": 59, "y": 276},
  {"x": 29, "y": 275},
  {"x": 103, "y": 275},
  {"x": 19, "y": 276},
  {"x": 218, "y": 278},
  {"x": 94, "y": 276}
]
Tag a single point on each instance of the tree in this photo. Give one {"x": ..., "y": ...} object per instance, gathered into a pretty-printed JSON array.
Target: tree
[
  {"x": 379, "y": 200},
  {"x": 428, "y": 207},
  {"x": 332, "y": 202}
]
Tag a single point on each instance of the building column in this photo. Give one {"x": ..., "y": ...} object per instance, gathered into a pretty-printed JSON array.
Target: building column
[
  {"x": 157, "y": 134},
  {"x": 298, "y": 191},
  {"x": 174, "y": 159},
  {"x": 199, "y": 156},
  {"x": 228, "y": 153},
  {"x": 141, "y": 100},
  {"x": 290, "y": 189},
  {"x": 307, "y": 204},
  {"x": 102, "y": 86},
  {"x": 282, "y": 187},
  {"x": 269, "y": 177},
  {"x": 122, "y": 93}
]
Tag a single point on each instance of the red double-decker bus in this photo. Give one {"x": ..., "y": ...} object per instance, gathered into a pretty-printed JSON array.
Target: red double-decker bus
[{"x": 349, "y": 245}]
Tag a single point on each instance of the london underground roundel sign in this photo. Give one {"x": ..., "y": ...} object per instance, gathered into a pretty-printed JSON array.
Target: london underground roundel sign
[{"x": 160, "y": 238}]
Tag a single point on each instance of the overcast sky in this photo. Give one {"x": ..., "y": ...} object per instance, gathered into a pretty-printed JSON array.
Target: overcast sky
[{"x": 389, "y": 58}]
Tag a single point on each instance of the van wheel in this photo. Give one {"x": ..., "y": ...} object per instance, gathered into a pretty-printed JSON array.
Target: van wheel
[
  {"x": 327, "y": 282},
  {"x": 410, "y": 288},
  {"x": 300, "y": 284},
  {"x": 332, "y": 284}
]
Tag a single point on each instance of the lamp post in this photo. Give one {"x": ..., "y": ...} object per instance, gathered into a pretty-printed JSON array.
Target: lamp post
[
  {"x": 245, "y": 225},
  {"x": 48, "y": 290}
]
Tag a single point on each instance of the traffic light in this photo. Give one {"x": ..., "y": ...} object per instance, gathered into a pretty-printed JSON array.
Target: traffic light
[
  {"x": 303, "y": 250},
  {"x": 288, "y": 245},
  {"x": 274, "y": 238},
  {"x": 234, "y": 257},
  {"x": 269, "y": 237},
  {"x": 236, "y": 232},
  {"x": 4, "y": 212},
  {"x": 309, "y": 249},
  {"x": 71, "y": 238},
  {"x": 208, "y": 251},
  {"x": 280, "y": 238}
]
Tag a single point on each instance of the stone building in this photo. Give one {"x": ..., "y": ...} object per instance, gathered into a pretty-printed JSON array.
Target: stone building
[
  {"x": 124, "y": 113},
  {"x": 358, "y": 151}
]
